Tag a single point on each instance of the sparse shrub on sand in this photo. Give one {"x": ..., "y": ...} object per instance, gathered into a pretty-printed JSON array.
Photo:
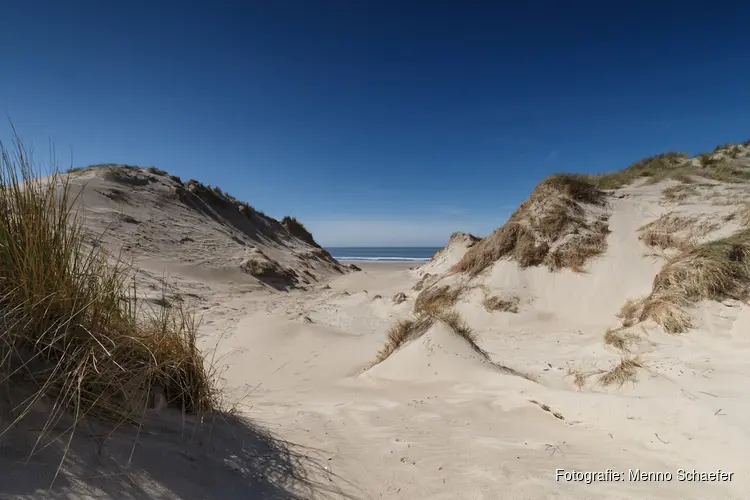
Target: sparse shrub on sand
[
  {"x": 677, "y": 166},
  {"x": 744, "y": 214},
  {"x": 406, "y": 330},
  {"x": 679, "y": 192},
  {"x": 436, "y": 300},
  {"x": 496, "y": 303},
  {"x": 714, "y": 270},
  {"x": 619, "y": 339},
  {"x": 403, "y": 331},
  {"x": 631, "y": 311},
  {"x": 674, "y": 231},
  {"x": 74, "y": 333},
  {"x": 653, "y": 168},
  {"x": 625, "y": 371},
  {"x": 551, "y": 227}
]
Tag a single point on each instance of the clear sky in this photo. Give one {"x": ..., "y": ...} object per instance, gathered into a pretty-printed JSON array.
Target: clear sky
[{"x": 375, "y": 122}]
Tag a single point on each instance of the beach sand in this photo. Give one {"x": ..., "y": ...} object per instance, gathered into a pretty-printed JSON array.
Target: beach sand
[{"x": 437, "y": 419}]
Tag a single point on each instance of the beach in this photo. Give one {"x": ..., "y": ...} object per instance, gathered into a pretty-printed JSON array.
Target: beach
[{"x": 555, "y": 370}]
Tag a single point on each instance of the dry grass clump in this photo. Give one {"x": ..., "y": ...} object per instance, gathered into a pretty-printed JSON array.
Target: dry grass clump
[
  {"x": 576, "y": 251},
  {"x": 680, "y": 192},
  {"x": 714, "y": 270},
  {"x": 654, "y": 168},
  {"x": 631, "y": 311},
  {"x": 506, "y": 304},
  {"x": 619, "y": 339},
  {"x": 402, "y": 332},
  {"x": 723, "y": 171},
  {"x": 677, "y": 166},
  {"x": 405, "y": 330},
  {"x": 625, "y": 371},
  {"x": 73, "y": 333},
  {"x": 744, "y": 214},
  {"x": 579, "y": 377},
  {"x": 674, "y": 231},
  {"x": 436, "y": 300},
  {"x": 551, "y": 227}
]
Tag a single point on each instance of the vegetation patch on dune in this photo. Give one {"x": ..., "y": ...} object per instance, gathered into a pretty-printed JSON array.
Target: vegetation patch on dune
[
  {"x": 406, "y": 330},
  {"x": 680, "y": 192},
  {"x": 431, "y": 306},
  {"x": 297, "y": 229},
  {"x": 715, "y": 270},
  {"x": 674, "y": 231},
  {"x": 619, "y": 339},
  {"x": 552, "y": 227},
  {"x": 653, "y": 169},
  {"x": 625, "y": 371},
  {"x": 630, "y": 311},
  {"x": 74, "y": 333},
  {"x": 718, "y": 165},
  {"x": 506, "y": 304},
  {"x": 435, "y": 300},
  {"x": 493, "y": 303}
]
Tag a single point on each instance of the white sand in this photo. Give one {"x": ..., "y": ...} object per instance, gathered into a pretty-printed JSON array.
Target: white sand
[{"x": 435, "y": 420}]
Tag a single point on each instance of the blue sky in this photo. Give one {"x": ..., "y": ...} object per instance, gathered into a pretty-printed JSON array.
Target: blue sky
[{"x": 375, "y": 122}]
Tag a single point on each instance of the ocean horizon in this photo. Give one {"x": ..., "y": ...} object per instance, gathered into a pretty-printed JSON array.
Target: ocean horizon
[{"x": 383, "y": 254}]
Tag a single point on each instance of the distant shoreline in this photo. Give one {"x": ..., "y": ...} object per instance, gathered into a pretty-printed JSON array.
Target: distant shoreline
[{"x": 409, "y": 255}]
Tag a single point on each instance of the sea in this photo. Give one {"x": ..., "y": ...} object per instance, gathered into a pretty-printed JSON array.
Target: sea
[{"x": 383, "y": 254}]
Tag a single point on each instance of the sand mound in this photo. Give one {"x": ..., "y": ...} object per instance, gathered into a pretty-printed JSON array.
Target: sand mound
[
  {"x": 437, "y": 354},
  {"x": 267, "y": 270},
  {"x": 152, "y": 215},
  {"x": 450, "y": 254},
  {"x": 561, "y": 225}
]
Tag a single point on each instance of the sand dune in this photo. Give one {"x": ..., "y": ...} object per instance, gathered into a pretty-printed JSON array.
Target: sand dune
[{"x": 575, "y": 366}]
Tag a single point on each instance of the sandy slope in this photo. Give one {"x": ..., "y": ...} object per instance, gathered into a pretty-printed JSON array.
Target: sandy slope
[{"x": 435, "y": 420}]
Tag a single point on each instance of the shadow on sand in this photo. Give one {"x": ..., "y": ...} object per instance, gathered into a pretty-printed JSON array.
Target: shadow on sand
[{"x": 223, "y": 456}]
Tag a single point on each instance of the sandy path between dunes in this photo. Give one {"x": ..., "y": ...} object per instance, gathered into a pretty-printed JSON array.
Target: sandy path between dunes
[{"x": 461, "y": 431}]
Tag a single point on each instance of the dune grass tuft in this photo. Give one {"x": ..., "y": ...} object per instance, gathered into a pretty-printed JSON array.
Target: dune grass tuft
[
  {"x": 714, "y": 270},
  {"x": 551, "y": 227},
  {"x": 619, "y": 339},
  {"x": 744, "y": 214},
  {"x": 654, "y": 169},
  {"x": 625, "y": 371},
  {"x": 402, "y": 332},
  {"x": 630, "y": 311},
  {"x": 405, "y": 330},
  {"x": 673, "y": 231},
  {"x": 679, "y": 192},
  {"x": 73, "y": 331},
  {"x": 676, "y": 166},
  {"x": 435, "y": 300},
  {"x": 493, "y": 303}
]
